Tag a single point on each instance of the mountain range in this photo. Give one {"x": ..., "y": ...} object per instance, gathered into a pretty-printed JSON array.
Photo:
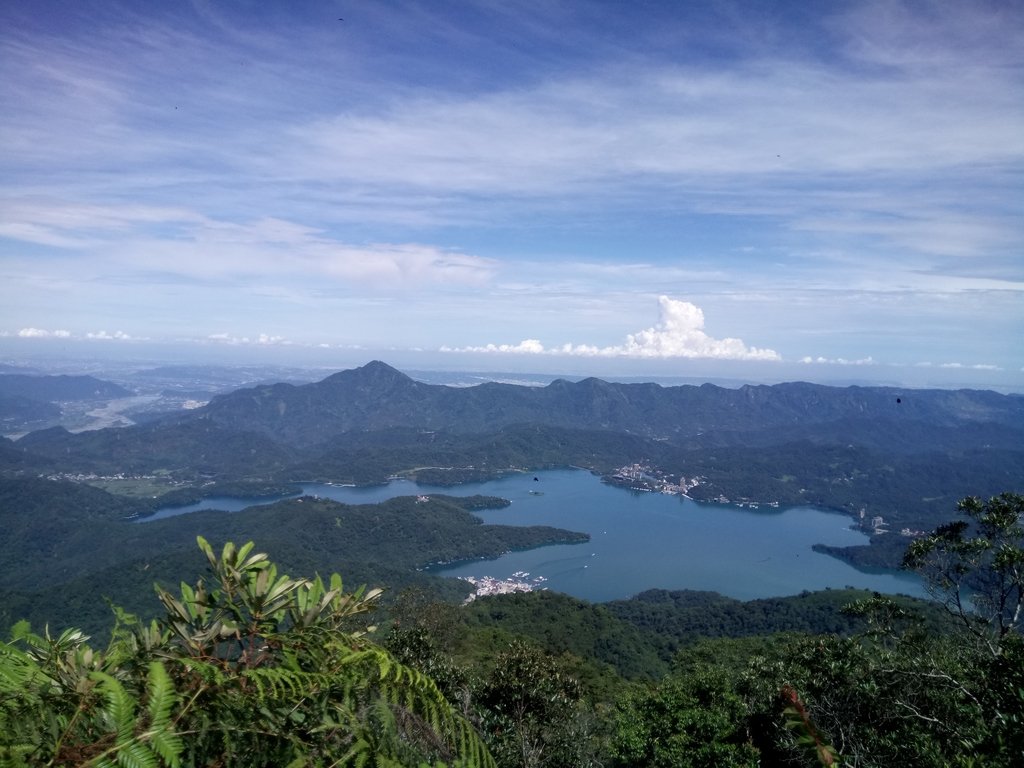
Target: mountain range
[{"x": 377, "y": 397}]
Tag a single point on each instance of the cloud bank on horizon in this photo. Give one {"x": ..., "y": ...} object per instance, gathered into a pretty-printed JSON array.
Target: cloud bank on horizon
[
  {"x": 680, "y": 334},
  {"x": 833, "y": 184}
]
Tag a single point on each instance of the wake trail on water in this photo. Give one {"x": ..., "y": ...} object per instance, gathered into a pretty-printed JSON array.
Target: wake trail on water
[
  {"x": 567, "y": 565},
  {"x": 562, "y": 561}
]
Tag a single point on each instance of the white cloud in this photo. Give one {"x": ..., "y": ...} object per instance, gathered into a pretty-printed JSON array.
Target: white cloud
[
  {"x": 960, "y": 366},
  {"x": 710, "y": 141},
  {"x": 40, "y": 333},
  {"x": 202, "y": 247},
  {"x": 262, "y": 339},
  {"x": 703, "y": 136},
  {"x": 673, "y": 123},
  {"x": 837, "y": 361},
  {"x": 525, "y": 347},
  {"x": 226, "y": 338},
  {"x": 679, "y": 334},
  {"x": 115, "y": 336},
  {"x": 976, "y": 367}
]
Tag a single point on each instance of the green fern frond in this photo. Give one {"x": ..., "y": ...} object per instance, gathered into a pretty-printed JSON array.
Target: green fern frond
[
  {"x": 168, "y": 745},
  {"x": 16, "y": 757},
  {"x": 136, "y": 755},
  {"x": 160, "y": 695},
  {"x": 288, "y": 684},
  {"x": 18, "y": 670},
  {"x": 210, "y": 674},
  {"x": 120, "y": 708}
]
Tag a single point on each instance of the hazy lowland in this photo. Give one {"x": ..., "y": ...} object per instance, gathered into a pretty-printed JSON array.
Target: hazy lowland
[{"x": 538, "y": 677}]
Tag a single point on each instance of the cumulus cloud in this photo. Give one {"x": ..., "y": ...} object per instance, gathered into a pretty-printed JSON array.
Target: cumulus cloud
[
  {"x": 837, "y": 360},
  {"x": 525, "y": 347},
  {"x": 40, "y": 333},
  {"x": 226, "y": 338},
  {"x": 977, "y": 367},
  {"x": 115, "y": 336},
  {"x": 959, "y": 366},
  {"x": 262, "y": 339},
  {"x": 679, "y": 333}
]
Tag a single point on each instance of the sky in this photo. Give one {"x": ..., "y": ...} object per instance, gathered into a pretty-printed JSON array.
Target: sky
[{"x": 772, "y": 190}]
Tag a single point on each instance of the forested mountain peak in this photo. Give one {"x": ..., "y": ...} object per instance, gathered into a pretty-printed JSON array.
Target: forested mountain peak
[{"x": 374, "y": 372}]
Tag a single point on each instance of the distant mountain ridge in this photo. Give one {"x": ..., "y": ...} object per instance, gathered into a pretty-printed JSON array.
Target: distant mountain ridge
[
  {"x": 59, "y": 388},
  {"x": 29, "y": 401},
  {"x": 24, "y": 409},
  {"x": 377, "y": 396}
]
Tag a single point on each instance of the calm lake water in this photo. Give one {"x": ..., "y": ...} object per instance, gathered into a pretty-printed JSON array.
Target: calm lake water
[{"x": 643, "y": 540}]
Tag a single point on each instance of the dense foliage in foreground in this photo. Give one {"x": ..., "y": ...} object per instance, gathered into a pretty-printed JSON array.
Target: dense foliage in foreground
[
  {"x": 249, "y": 669},
  {"x": 252, "y": 668}
]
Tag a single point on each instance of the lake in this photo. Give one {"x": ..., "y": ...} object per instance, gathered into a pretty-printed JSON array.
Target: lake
[{"x": 642, "y": 540}]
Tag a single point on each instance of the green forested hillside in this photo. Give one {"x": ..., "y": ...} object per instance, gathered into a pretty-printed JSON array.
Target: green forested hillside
[
  {"x": 909, "y": 491},
  {"x": 192, "y": 449},
  {"x": 251, "y": 667},
  {"x": 69, "y": 543}
]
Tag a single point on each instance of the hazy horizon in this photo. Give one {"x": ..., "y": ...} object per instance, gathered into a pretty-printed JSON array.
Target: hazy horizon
[{"x": 528, "y": 370}]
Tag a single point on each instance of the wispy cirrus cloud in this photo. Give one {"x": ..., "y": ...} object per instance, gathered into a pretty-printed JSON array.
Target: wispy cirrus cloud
[
  {"x": 771, "y": 133},
  {"x": 665, "y": 124},
  {"x": 98, "y": 238}
]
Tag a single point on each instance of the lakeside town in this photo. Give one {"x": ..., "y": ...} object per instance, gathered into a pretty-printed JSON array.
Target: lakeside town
[
  {"x": 641, "y": 477},
  {"x": 520, "y": 581},
  {"x": 646, "y": 479}
]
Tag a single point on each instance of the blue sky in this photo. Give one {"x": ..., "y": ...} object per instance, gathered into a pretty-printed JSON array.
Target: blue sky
[{"x": 787, "y": 190}]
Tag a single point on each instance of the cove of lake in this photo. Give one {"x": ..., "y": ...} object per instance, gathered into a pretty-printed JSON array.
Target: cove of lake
[{"x": 640, "y": 540}]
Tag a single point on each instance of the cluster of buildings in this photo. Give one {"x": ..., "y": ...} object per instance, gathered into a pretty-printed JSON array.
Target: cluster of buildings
[
  {"x": 640, "y": 477},
  {"x": 89, "y": 477},
  {"x": 877, "y": 525},
  {"x": 519, "y": 581},
  {"x": 748, "y": 503}
]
